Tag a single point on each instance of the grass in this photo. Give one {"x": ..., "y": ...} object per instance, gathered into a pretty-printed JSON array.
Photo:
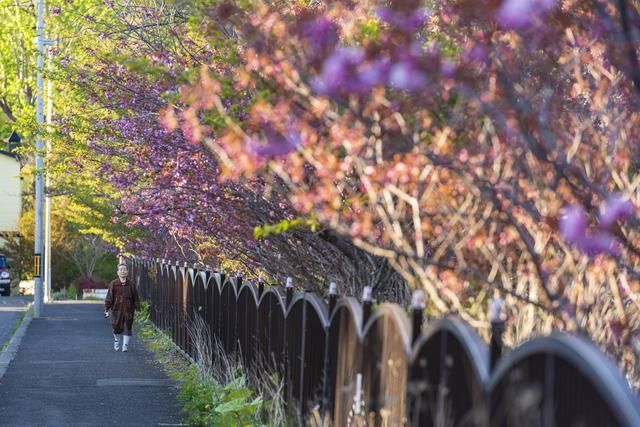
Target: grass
[
  {"x": 206, "y": 400},
  {"x": 172, "y": 361}
]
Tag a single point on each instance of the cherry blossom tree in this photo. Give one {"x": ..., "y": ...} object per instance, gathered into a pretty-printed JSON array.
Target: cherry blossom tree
[
  {"x": 478, "y": 147},
  {"x": 164, "y": 193}
]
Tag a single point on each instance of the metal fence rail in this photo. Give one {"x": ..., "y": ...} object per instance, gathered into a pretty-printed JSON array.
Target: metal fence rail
[{"x": 360, "y": 365}]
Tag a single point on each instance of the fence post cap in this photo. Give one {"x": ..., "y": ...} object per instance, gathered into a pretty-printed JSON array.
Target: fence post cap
[
  {"x": 495, "y": 309},
  {"x": 333, "y": 288},
  {"x": 417, "y": 300},
  {"x": 289, "y": 283},
  {"x": 367, "y": 293}
]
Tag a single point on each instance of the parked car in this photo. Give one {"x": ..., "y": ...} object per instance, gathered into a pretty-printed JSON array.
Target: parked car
[{"x": 5, "y": 276}]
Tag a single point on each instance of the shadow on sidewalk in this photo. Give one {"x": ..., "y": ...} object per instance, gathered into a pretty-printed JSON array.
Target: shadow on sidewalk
[{"x": 66, "y": 373}]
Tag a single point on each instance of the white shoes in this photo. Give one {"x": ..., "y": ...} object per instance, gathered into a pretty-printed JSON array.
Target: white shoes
[{"x": 125, "y": 342}]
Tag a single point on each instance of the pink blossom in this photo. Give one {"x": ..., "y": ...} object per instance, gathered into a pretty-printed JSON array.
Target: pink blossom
[
  {"x": 321, "y": 34},
  {"x": 519, "y": 14},
  {"x": 406, "y": 75},
  {"x": 274, "y": 143},
  {"x": 411, "y": 20},
  {"x": 340, "y": 73},
  {"x": 600, "y": 242},
  {"x": 573, "y": 223},
  {"x": 448, "y": 69},
  {"x": 616, "y": 207}
]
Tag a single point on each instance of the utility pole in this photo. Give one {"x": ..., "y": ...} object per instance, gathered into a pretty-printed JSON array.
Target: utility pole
[
  {"x": 47, "y": 202},
  {"x": 40, "y": 44}
]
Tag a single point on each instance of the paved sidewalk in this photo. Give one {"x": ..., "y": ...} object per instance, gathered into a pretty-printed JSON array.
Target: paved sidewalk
[{"x": 66, "y": 373}]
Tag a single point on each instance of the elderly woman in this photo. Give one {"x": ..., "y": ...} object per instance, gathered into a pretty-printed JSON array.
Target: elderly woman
[{"x": 122, "y": 300}]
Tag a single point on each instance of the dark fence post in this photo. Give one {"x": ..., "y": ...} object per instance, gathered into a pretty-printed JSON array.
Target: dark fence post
[
  {"x": 286, "y": 380},
  {"x": 236, "y": 337},
  {"x": 289, "y": 290},
  {"x": 417, "y": 314},
  {"x": 221, "y": 277},
  {"x": 333, "y": 297},
  {"x": 224, "y": 311},
  {"x": 366, "y": 305},
  {"x": 260, "y": 286},
  {"x": 497, "y": 329}
]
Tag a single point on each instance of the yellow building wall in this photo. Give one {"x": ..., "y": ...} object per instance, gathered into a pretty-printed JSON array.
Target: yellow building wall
[{"x": 10, "y": 194}]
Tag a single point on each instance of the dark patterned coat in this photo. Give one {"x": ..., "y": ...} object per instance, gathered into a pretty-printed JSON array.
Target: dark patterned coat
[{"x": 122, "y": 300}]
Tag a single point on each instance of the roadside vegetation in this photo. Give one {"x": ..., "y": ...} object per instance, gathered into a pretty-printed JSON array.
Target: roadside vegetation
[{"x": 215, "y": 389}]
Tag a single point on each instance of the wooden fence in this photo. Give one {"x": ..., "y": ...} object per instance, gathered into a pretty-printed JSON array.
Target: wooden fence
[{"x": 364, "y": 365}]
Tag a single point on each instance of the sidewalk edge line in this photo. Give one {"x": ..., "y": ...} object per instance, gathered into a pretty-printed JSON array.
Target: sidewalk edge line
[{"x": 12, "y": 348}]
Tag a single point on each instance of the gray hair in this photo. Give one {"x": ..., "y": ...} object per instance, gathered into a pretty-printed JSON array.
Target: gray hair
[{"x": 123, "y": 265}]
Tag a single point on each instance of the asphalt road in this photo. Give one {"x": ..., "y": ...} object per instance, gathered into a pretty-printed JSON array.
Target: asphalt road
[
  {"x": 10, "y": 310},
  {"x": 66, "y": 373}
]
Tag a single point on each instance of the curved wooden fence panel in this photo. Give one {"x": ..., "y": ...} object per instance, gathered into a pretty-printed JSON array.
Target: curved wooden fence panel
[
  {"x": 359, "y": 365},
  {"x": 448, "y": 374},
  {"x": 344, "y": 362},
  {"x": 386, "y": 349},
  {"x": 247, "y": 319}
]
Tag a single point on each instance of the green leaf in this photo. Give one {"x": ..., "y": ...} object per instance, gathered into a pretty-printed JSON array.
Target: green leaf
[{"x": 234, "y": 405}]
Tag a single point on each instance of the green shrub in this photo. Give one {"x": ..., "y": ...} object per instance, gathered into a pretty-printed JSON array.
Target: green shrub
[
  {"x": 205, "y": 401},
  {"x": 72, "y": 292},
  {"x": 208, "y": 403}
]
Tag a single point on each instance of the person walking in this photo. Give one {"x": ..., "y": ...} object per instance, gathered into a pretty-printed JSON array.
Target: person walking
[{"x": 122, "y": 300}]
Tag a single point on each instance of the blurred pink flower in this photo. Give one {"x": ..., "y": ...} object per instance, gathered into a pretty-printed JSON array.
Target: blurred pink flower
[
  {"x": 616, "y": 207},
  {"x": 321, "y": 34},
  {"x": 410, "y": 20},
  {"x": 599, "y": 243},
  {"x": 573, "y": 227},
  {"x": 406, "y": 75},
  {"x": 573, "y": 223},
  {"x": 520, "y": 14},
  {"x": 274, "y": 143}
]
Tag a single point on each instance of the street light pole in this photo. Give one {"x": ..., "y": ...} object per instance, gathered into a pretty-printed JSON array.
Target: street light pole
[
  {"x": 40, "y": 44},
  {"x": 47, "y": 237}
]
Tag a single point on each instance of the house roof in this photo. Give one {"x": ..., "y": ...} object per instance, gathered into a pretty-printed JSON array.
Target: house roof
[{"x": 6, "y": 153}]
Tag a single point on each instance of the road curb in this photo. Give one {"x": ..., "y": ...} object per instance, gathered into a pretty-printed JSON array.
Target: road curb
[{"x": 7, "y": 355}]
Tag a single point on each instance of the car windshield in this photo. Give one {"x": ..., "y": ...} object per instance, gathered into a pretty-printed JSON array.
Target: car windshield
[{"x": 3, "y": 261}]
